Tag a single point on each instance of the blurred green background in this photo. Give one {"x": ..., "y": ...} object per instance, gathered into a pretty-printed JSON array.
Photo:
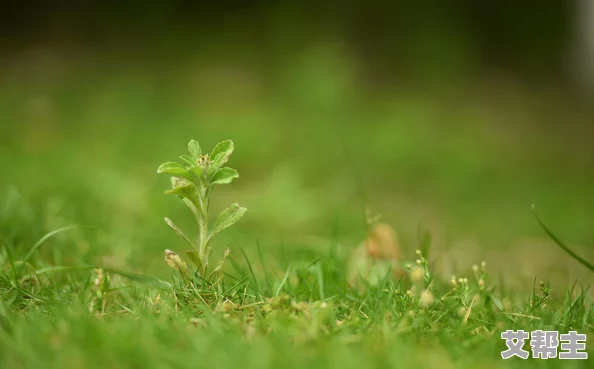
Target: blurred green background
[{"x": 452, "y": 117}]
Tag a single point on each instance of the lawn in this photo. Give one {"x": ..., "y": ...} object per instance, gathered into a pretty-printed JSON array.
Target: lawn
[{"x": 83, "y": 281}]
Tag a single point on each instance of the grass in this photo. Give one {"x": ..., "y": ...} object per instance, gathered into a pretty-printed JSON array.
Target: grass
[
  {"x": 81, "y": 194},
  {"x": 303, "y": 314}
]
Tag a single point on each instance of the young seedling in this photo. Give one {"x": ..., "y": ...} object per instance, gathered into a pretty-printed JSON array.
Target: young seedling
[{"x": 193, "y": 183}]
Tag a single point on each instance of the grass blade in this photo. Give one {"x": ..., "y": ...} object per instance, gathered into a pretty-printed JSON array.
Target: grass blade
[
  {"x": 132, "y": 276},
  {"x": 251, "y": 270},
  {"x": 562, "y": 245},
  {"x": 49, "y": 235},
  {"x": 263, "y": 266},
  {"x": 283, "y": 281}
]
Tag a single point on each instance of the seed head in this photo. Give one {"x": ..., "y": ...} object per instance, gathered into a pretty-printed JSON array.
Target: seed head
[
  {"x": 426, "y": 298},
  {"x": 453, "y": 281},
  {"x": 417, "y": 274}
]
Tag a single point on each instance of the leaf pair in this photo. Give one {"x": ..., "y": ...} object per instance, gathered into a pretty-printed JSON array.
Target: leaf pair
[
  {"x": 210, "y": 168},
  {"x": 221, "y": 153},
  {"x": 219, "y": 156},
  {"x": 224, "y": 149}
]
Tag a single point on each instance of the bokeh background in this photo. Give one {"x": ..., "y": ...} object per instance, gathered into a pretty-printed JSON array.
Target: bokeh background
[{"x": 453, "y": 117}]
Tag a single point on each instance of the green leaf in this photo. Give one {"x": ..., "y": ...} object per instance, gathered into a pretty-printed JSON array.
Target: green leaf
[
  {"x": 212, "y": 169},
  {"x": 173, "y": 169},
  {"x": 221, "y": 153},
  {"x": 224, "y": 175},
  {"x": 194, "y": 149},
  {"x": 188, "y": 160},
  {"x": 227, "y": 218},
  {"x": 497, "y": 302},
  {"x": 218, "y": 161},
  {"x": 178, "y": 231},
  {"x": 186, "y": 190},
  {"x": 194, "y": 257}
]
